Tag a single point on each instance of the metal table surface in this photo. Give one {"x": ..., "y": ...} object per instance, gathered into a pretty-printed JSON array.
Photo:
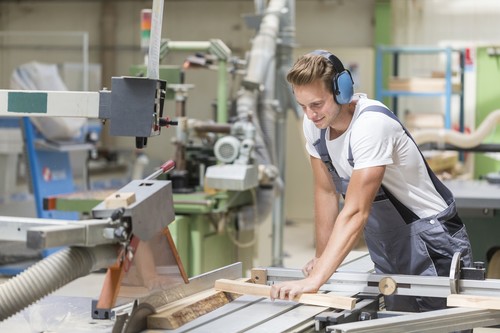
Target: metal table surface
[
  {"x": 478, "y": 204},
  {"x": 475, "y": 193}
]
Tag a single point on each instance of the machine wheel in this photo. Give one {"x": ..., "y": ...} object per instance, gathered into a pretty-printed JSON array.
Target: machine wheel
[{"x": 494, "y": 266}]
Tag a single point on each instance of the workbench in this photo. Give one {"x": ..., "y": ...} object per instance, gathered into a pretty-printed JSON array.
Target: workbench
[
  {"x": 478, "y": 204},
  {"x": 256, "y": 314},
  {"x": 71, "y": 306}
]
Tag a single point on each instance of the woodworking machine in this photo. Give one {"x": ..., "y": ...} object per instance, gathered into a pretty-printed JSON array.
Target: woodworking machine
[
  {"x": 464, "y": 287},
  {"x": 196, "y": 307}
]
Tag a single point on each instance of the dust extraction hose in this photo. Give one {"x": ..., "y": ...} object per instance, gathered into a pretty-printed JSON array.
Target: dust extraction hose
[
  {"x": 52, "y": 273},
  {"x": 459, "y": 139}
]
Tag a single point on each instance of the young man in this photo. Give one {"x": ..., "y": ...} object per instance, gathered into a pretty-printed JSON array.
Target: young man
[{"x": 360, "y": 150}]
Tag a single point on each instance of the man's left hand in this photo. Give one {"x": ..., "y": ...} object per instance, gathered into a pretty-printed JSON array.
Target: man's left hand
[{"x": 289, "y": 290}]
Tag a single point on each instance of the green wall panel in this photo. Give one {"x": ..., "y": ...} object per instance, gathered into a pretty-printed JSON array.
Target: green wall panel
[
  {"x": 487, "y": 100},
  {"x": 383, "y": 36}
]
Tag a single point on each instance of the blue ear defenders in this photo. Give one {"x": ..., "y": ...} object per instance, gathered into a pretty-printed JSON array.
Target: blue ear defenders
[{"x": 342, "y": 83}]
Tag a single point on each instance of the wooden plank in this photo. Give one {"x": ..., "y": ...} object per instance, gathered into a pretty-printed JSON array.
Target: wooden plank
[
  {"x": 178, "y": 313},
  {"x": 472, "y": 301},
  {"x": 329, "y": 300}
]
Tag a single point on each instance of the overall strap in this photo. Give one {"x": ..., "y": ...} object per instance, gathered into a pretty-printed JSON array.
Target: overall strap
[
  {"x": 322, "y": 150},
  {"x": 442, "y": 190}
]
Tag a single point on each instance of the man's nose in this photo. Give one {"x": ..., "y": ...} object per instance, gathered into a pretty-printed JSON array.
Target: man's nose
[{"x": 309, "y": 113}]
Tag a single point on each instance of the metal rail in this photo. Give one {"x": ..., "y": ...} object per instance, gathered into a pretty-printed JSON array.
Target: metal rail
[
  {"x": 437, "y": 321},
  {"x": 409, "y": 285}
]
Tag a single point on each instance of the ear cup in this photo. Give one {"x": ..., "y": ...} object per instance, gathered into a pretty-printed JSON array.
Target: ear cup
[
  {"x": 343, "y": 87},
  {"x": 342, "y": 83}
]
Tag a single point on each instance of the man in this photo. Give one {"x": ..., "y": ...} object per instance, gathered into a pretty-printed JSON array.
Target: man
[{"x": 360, "y": 150}]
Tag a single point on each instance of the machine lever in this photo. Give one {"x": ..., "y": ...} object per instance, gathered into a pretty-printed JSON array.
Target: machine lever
[{"x": 165, "y": 167}]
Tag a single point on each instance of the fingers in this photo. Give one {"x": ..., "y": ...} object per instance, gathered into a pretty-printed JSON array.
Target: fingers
[
  {"x": 275, "y": 292},
  {"x": 285, "y": 291},
  {"x": 307, "y": 269}
]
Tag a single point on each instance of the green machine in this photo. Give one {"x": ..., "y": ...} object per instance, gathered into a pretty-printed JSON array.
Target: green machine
[{"x": 206, "y": 230}]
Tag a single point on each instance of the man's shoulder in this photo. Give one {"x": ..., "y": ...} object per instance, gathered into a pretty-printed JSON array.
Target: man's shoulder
[{"x": 366, "y": 103}]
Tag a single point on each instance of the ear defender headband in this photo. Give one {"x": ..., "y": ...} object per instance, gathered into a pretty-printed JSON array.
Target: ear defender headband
[{"x": 342, "y": 83}]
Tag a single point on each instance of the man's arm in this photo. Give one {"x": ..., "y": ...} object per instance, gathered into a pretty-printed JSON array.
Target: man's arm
[
  {"x": 363, "y": 187},
  {"x": 326, "y": 204},
  {"x": 326, "y": 209}
]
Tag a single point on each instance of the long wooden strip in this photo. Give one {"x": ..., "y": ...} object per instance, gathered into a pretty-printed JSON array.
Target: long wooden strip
[
  {"x": 472, "y": 301},
  {"x": 329, "y": 300}
]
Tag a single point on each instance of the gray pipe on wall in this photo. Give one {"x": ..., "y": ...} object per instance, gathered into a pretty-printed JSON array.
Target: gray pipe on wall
[{"x": 269, "y": 59}]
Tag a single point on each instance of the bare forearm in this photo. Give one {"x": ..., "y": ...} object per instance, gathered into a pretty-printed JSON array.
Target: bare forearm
[
  {"x": 350, "y": 222},
  {"x": 341, "y": 241},
  {"x": 326, "y": 212}
]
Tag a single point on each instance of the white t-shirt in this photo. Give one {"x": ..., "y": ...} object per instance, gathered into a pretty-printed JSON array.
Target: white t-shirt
[{"x": 376, "y": 140}]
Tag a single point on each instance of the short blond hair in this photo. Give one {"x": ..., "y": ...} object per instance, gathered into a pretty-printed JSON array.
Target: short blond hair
[{"x": 309, "y": 68}]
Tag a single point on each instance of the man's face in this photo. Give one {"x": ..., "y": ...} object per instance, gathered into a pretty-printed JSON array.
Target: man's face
[{"x": 317, "y": 103}]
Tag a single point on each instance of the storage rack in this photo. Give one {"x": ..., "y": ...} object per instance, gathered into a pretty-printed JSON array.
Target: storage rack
[{"x": 396, "y": 52}]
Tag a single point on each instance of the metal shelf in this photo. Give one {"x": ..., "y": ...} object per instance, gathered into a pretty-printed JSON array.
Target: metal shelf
[{"x": 448, "y": 92}]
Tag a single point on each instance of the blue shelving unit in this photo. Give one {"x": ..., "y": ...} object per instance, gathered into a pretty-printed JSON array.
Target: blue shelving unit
[{"x": 396, "y": 52}]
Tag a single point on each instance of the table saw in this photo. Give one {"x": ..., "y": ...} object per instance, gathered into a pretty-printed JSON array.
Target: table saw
[
  {"x": 124, "y": 211},
  {"x": 129, "y": 298},
  {"x": 72, "y": 313}
]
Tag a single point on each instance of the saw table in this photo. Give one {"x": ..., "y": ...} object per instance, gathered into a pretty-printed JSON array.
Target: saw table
[{"x": 259, "y": 314}]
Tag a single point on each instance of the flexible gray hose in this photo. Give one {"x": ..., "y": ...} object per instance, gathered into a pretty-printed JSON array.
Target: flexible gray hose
[{"x": 52, "y": 273}]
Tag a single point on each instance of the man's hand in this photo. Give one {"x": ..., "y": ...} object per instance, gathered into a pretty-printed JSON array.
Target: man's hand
[
  {"x": 291, "y": 289},
  {"x": 309, "y": 266}
]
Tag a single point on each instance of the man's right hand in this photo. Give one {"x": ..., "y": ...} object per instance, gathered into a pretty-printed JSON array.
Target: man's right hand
[{"x": 307, "y": 269}]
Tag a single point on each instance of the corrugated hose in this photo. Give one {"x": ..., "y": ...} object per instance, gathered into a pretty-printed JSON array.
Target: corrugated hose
[{"x": 51, "y": 274}]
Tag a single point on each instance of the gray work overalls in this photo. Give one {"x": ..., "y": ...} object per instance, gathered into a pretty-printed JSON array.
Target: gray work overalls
[{"x": 399, "y": 241}]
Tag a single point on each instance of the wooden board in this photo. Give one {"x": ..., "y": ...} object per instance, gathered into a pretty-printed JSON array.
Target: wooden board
[
  {"x": 471, "y": 301},
  {"x": 178, "y": 313},
  {"x": 119, "y": 199},
  {"x": 328, "y": 300}
]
